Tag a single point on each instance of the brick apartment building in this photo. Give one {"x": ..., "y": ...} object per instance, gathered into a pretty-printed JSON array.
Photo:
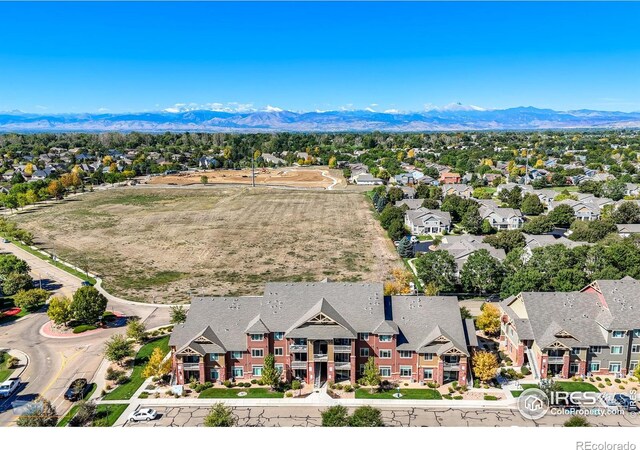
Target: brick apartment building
[
  {"x": 321, "y": 332},
  {"x": 594, "y": 331}
]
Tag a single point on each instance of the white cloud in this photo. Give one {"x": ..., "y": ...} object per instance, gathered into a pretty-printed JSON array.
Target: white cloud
[
  {"x": 214, "y": 106},
  {"x": 270, "y": 108}
]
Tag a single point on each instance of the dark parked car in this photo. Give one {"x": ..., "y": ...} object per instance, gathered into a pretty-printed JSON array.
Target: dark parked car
[{"x": 77, "y": 390}]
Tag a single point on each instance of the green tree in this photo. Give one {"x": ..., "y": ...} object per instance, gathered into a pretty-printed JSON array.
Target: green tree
[
  {"x": 220, "y": 416},
  {"x": 366, "y": 416},
  {"x": 31, "y": 299},
  {"x": 118, "y": 348},
  {"x": 465, "y": 313},
  {"x": 405, "y": 248},
  {"x": 472, "y": 221},
  {"x": 204, "y": 179},
  {"x": 59, "y": 310},
  {"x": 88, "y": 305},
  {"x": 562, "y": 216},
  {"x": 430, "y": 203},
  {"x": 482, "y": 273},
  {"x": 524, "y": 280},
  {"x": 538, "y": 225},
  {"x": 576, "y": 421},
  {"x": 178, "y": 314},
  {"x": 136, "y": 330},
  {"x": 16, "y": 282},
  {"x": 531, "y": 205},
  {"x": 396, "y": 230},
  {"x": 381, "y": 203},
  {"x": 85, "y": 414},
  {"x": 335, "y": 416},
  {"x": 11, "y": 264},
  {"x": 506, "y": 240},
  {"x": 395, "y": 194},
  {"x": 438, "y": 267},
  {"x": 592, "y": 231},
  {"x": 626, "y": 212},
  {"x": 389, "y": 215},
  {"x": 370, "y": 374},
  {"x": 270, "y": 373},
  {"x": 39, "y": 413},
  {"x": 614, "y": 189}
]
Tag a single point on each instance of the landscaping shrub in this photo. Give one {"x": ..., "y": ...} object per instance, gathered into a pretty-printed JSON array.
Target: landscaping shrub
[
  {"x": 447, "y": 396},
  {"x": 598, "y": 378},
  {"x": 457, "y": 397},
  {"x": 490, "y": 397},
  {"x": 123, "y": 379},
  {"x": 348, "y": 388},
  {"x": 113, "y": 374},
  {"x": 83, "y": 328},
  {"x": 295, "y": 385},
  {"x": 254, "y": 381},
  {"x": 228, "y": 384},
  {"x": 289, "y": 394},
  {"x": 524, "y": 370},
  {"x": 617, "y": 380},
  {"x": 143, "y": 395},
  {"x": 600, "y": 385},
  {"x": 260, "y": 383},
  {"x": 476, "y": 383}
]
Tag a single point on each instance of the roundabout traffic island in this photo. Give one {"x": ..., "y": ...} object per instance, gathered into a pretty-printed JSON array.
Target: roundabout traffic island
[{"x": 51, "y": 330}]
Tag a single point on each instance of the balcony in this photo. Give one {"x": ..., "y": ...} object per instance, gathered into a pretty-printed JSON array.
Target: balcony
[
  {"x": 320, "y": 357},
  {"x": 298, "y": 364},
  {"x": 451, "y": 366},
  {"x": 190, "y": 366},
  {"x": 556, "y": 360},
  {"x": 298, "y": 348},
  {"x": 342, "y": 349},
  {"x": 340, "y": 365}
]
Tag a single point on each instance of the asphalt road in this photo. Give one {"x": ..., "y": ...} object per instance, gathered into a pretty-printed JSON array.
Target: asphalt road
[{"x": 54, "y": 363}]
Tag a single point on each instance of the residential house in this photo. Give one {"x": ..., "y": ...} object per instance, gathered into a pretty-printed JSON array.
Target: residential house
[
  {"x": 450, "y": 178},
  {"x": 462, "y": 246},
  {"x": 461, "y": 190},
  {"x": 500, "y": 218},
  {"x": 628, "y": 229},
  {"x": 411, "y": 203},
  {"x": 323, "y": 332},
  {"x": 533, "y": 241},
  {"x": 404, "y": 179},
  {"x": 632, "y": 190},
  {"x": 426, "y": 221},
  {"x": 595, "y": 331},
  {"x": 367, "y": 179},
  {"x": 525, "y": 188},
  {"x": 272, "y": 159}
]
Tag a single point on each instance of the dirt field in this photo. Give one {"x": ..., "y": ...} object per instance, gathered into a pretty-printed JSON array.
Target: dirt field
[
  {"x": 166, "y": 244},
  {"x": 285, "y": 176}
]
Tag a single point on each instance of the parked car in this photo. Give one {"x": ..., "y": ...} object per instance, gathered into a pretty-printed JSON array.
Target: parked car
[
  {"x": 9, "y": 386},
  {"x": 85, "y": 283},
  {"x": 146, "y": 414},
  {"x": 5, "y": 241},
  {"x": 77, "y": 390},
  {"x": 623, "y": 400}
]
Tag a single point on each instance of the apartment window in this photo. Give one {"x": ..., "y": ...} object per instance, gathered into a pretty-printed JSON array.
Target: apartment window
[
  {"x": 428, "y": 374},
  {"x": 596, "y": 349},
  {"x": 617, "y": 334},
  {"x": 280, "y": 368},
  {"x": 385, "y": 371},
  {"x": 616, "y": 349},
  {"x": 594, "y": 366},
  {"x": 385, "y": 354},
  {"x": 636, "y": 333},
  {"x": 278, "y": 336},
  {"x": 405, "y": 354},
  {"x": 364, "y": 352},
  {"x": 364, "y": 336},
  {"x": 573, "y": 368},
  {"x": 238, "y": 372},
  {"x": 429, "y": 356},
  {"x": 257, "y": 337},
  {"x": 257, "y": 371},
  {"x": 214, "y": 374},
  {"x": 213, "y": 357},
  {"x": 257, "y": 353},
  {"x": 635, "y": 348},
  {"x": 385, "y": 338},
  {"x": 361, "y": 369},
  {"x": 615, "y": 367},
  {"x": 278, "y": 351},
  {"x": 236, "y": 355},
  {"x": 575, "y": 351},
  {"x": 405, "y": 371},
  {"x": 633, "y": 365}
]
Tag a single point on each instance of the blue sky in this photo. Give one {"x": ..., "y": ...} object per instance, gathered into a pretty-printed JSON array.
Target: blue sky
[{"x": 116, "y": 57}]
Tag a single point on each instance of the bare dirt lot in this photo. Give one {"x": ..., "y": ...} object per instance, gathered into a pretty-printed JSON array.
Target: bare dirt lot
[
  {"x": 166, "y": 244},
  {"x": 285, "y": 176}
]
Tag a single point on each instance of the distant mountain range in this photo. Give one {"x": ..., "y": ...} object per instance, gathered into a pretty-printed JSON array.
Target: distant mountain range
[{"x": 437, "y": 119}]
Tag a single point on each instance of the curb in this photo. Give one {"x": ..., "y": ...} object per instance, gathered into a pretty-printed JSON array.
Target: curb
[{"x": 26, "y": 358}]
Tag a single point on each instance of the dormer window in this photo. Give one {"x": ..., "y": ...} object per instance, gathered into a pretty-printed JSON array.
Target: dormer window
[
  {"x": 617, "y": 334},
  {"x": 257, "y": 337},
  {"x": 278, "y": 336},
  {"x": 385, "y": 338}
]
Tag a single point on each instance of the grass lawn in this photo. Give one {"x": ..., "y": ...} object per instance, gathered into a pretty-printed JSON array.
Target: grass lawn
[
  {"x": 106, "y": 415},
  {"x": 233, "y": 393},
  {"x": 72, "y": 412},
  {"x": 126, "y": 391},
  {"x": 516, "y": 394},
  {"x": 577, "y": 386},
  {"x": 4, "y": 371},
  {"x": 407, "y": 394}
]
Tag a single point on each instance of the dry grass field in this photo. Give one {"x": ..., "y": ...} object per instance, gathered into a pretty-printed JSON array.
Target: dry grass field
[
  {"x": 166, "y": 244},
  {"x": 284, "y": 176}
]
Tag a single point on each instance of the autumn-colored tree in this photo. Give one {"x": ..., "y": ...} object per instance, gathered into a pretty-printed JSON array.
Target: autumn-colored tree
[
  {"x": 431, "y": 289},
  {"x": 489, "y": 319},
  {"x": 332, "y": 162},
  {"x": 59, "y": 310},
  {"x": 55, "y": 189},
  {"x": 485, "y": 365},
  {"x": 28, "y": 169},
  {"x": 157, "y": 367},
  {"x": 107, "y": 160},
  {"x": 400, "y": 284}
]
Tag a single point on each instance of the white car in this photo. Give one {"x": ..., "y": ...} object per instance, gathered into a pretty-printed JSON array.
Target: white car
[
  {"x": 9, "y": 387},
  {"x": 143, "y": 414}
]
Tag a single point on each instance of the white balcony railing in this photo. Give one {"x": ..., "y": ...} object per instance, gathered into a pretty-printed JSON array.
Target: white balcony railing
[
  {"x": 342, "y": 349},
  {"x": 320, "y": 357},
  {"x": 298, "y": 364},
  {"x": 298, "y": 348},
  {"x": 190, "y": 366},
  {"x": 342, "y": 365},
  {"x": 556, "y": 360}
]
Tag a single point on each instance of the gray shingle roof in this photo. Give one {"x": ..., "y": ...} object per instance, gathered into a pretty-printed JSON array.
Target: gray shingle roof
[
  {"x": 422, "y": 319},
  {"x": 622, "y": 298}
]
